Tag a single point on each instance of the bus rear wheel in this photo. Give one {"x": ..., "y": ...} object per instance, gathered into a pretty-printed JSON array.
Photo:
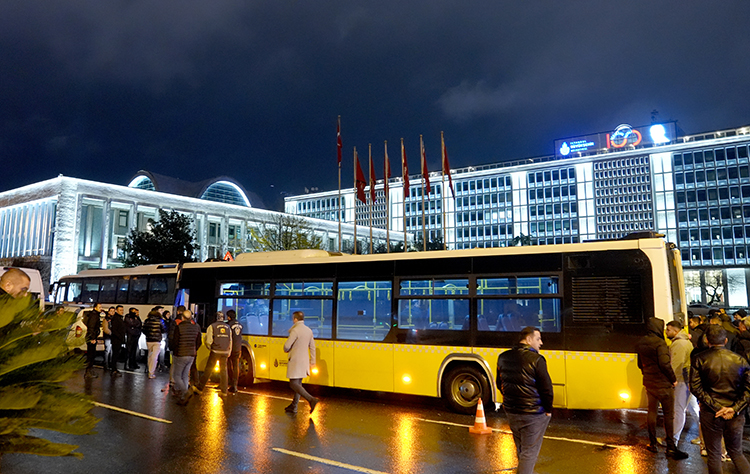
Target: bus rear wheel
[
  {"x": 246, "y": 369},
  {"x": 463, "y": 387}
]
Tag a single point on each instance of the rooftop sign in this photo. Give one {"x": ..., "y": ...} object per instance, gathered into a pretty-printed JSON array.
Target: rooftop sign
[{"x": 622, "y": 137}]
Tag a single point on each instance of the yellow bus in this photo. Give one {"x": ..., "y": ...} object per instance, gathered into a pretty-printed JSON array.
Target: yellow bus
[{"x": 433, "y": 323}]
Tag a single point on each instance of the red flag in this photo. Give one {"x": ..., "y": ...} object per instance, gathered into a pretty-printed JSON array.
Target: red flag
[
  {"x": 360, "y": 183},
  {"x": 446, "y": 165},
  {"x": 386, "y": 170},
  {"x": 373, "y": 196},
  {"x": 404, "y": 170},
  {"x": 425, "y": 173},
  {"x": 339, "y": 144}
]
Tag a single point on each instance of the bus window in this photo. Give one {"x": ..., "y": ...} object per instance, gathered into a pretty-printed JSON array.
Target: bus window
[
  {"x": 74, "y": 291},
  {"x": 252, "y": 313},
  {"x": 138, "y": 290},
  {"x": 306, "y": 288},
  {"x": 446, "y": 314},
  {"x": 161, "y": 290},
  {"x": 122, "y": 290},
  {"x": 512, "y": 315},
  {"x": 90, "y": 291},
  {"x": 364, "y": 310},
  {"x": 245, "y": 289},
  {"x": 108, "y": 291},
  {"x": 318, "y": 314}
]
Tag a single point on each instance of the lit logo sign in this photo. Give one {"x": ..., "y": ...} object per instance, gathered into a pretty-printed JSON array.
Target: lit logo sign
[
  {"x": 620, "y": 138},
  {"x": 624, "y": 135}
]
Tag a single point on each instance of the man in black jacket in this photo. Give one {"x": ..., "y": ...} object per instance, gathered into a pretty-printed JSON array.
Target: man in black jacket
[
  {"x": 153, "y": 328},
  {"x": 659, "y": 381},
  {"x": 92, "y": 321},
  {"x": 117, "y": 337},
  {"x": 526, "y": 386},
  {"x": 133, "y": 325},
  {"x": 720, "y": 380}
]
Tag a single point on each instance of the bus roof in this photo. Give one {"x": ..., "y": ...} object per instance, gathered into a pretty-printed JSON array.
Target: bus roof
[
  {"x": 166, "y": 268},
  {"x": 311, "y": 256}
]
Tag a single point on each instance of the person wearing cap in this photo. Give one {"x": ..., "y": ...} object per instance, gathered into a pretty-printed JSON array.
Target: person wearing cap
[{"x": 219, "y": 342}]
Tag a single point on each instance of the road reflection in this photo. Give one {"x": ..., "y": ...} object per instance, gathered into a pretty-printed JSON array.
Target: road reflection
[
  {"x": 211, "y": 442},
  {"x": 403, "y": 445}
]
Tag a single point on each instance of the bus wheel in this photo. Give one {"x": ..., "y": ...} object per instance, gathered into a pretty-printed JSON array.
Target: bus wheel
[
  {"x": 246, "y": 369},
  {"x": 462, "y": 388}
]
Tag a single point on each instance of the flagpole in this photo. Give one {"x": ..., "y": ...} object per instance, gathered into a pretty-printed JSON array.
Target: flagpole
[
  {"x": 424, "y": 228},
  {"x": 338, "y": 153},
  {"x": 372, "y": 191},
  {"x": 442, "y": 149},
  {"x": 386, "y": 175},
  {"x": 405, "y": 179},
  {"x": 355, "y": 201}
]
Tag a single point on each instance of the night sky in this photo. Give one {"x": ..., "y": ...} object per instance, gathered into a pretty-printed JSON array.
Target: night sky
[{"x": 196, "y": 89}]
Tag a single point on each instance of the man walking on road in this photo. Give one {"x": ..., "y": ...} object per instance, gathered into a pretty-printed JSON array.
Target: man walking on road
[
  {"x": 526, "y": 386},
  {"x": 659, "y": 381},
  {"x": 301, "y": 348},
  {"x": 720, "y": 380},
  {"x": 185, "y": 341}
]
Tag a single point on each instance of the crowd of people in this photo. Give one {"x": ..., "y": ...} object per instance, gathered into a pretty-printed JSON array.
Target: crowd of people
[{"x": 704, "y": 371}]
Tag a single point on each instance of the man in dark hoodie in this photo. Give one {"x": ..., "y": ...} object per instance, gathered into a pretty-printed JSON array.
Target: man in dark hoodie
[{"x": 659, "y": 381}]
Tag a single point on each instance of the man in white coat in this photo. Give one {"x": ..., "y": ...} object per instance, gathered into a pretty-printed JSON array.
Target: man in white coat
[{"x": 301, "y": 348}]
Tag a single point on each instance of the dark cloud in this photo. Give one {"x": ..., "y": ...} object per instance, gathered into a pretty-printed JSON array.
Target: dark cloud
[{"x": 195, "y": 89}]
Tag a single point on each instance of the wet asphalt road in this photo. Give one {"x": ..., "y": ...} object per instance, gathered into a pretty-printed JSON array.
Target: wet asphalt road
[{"x": 349, "y": 432}]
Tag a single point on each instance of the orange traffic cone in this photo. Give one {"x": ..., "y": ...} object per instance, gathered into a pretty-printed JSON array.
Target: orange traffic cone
[{"x": 480, "y": 424}]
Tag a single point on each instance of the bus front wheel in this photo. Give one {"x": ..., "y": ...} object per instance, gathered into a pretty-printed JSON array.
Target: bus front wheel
[
  {"x": 246, "y": 369},
  {"x": 463, "y": 387}
]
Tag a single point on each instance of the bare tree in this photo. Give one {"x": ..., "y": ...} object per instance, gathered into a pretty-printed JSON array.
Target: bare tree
[{"x": 284, "y": 232}]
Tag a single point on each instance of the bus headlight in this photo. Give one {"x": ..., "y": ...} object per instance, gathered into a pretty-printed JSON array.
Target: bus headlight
[
  {"x": 315, "y": 371},
  {"x": 625, "y": 396},
  {"x": 406, "y": 379},
  {"x": 263, "y": 365}
]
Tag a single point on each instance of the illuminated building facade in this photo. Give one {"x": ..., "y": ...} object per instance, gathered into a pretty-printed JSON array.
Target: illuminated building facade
[
  {"x": 694, "y": 189},
  {"x": 65, "y": 225}
]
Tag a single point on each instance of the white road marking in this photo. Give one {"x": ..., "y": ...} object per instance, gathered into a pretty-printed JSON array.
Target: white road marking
[
  {"x": 329, "y": 462},
  {"x": 556, "y": 438},
  {"x": 264, "y": 395},
  {"x": 129, "y": 412}
]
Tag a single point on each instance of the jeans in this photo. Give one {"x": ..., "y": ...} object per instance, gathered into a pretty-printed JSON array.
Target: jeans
[
  {"x": 233, "y": 369},
  {"x": 665, "y": 397},
  {"x": 210, "y": 364},
  {"x": 153, "y": 356},
  {"x": 181, "y": 366},
  {"x": 731, "y": 430},
  {"x": 107, "y": 352},
  {"x": 528, "y": 433},
  {"x": 299, "y": 391},
  {"x": 683, "y": 401}
]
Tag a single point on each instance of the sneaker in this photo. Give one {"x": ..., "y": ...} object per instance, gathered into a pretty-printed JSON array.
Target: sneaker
[
  {"x": 290, "y": 409},
  {"x": 116, "y": 373},
  {"x": 313, "y": 403},
  {"x": 151, "y": 376},
  {"x": 725, "y": 458},
  {"x": 90, "y": 375},
  {"x": 704, "y": 452},
  {"x": 696, "y": 441},
  {"x": 196, "y": 390},
  {"x": 676, "y": 454},
  {"x": 223, "y": 394},
  {"x": 652, "y": 448},
  {"x": 232, "y": 389}
]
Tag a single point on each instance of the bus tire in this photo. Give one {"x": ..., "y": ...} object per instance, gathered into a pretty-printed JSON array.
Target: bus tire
[
  {"x": 463, "y": 386},
  {"x": 246, "y": 369}
]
